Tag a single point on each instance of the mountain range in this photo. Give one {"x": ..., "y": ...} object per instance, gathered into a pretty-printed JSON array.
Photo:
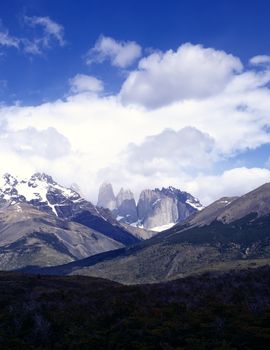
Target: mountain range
[
  {"x": 232, "y": 232},
  {"x": 156, "y": 210},
  {"x": 44, "y": 223},
  {"x": 50, "y": 229}
]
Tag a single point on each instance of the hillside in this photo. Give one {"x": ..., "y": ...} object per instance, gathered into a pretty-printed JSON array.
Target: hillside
[
  {"x": 211, "y": 311},
  {"x": 29, "y": 236}
]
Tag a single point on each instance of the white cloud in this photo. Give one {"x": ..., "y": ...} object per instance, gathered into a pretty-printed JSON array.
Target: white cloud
[
  {"x": 94, "y": 133},
  {"x": 32, "y": 47},
  {"x": 52, "y": 30},
  {"x": 48, "y": 143},
  {"x": 7, "y": 40},
  {"x": 260, "y": 60},
  {"x": 233, "y": 182},
  {"x": 84, "y": 83},
  {"x": 120, "y": 53},
  {"x": 171, "y": 152},
  {"x": 190, "y": 72}
]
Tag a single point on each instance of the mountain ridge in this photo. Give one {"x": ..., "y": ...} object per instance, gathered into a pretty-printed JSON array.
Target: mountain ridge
[
  {"x": 41, "y": 191},
  {"x": 192, "y": 246},
  {"x": 155, "y": 209}
]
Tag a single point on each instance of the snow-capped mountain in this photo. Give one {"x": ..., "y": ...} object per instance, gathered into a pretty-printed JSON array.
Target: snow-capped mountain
[
  {"x": 156, "y": 210},
  {"x": 41, "y": 191}
]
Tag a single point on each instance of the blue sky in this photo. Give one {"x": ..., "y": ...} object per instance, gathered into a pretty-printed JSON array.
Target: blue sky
[
  {"x": 139, "y": 93},
  {"x": 237, "y": 27}
]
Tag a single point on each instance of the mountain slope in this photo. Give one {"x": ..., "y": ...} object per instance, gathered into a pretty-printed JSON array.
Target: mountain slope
[
  {"x": 256, "y": 201},
  {"x": 218, "y": 247},
  {"x": 29, "y": 236},
  {"x": 208, "y": 214}
]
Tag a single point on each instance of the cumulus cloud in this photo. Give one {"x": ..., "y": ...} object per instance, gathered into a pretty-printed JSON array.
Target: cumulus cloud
[
  {"x": 99, "y": 130},
  {"x": 224, "y": 111},
  {"x": 233, "y": 182},
  {"x": 260, "y": 60},
  {"x": 84, "y": 83},
  {"x": 120, "y": 53},
  {"x": 48, "y": 143},
  {"x": 171, "y": 152},
  {"x": 190, "y": 72}
]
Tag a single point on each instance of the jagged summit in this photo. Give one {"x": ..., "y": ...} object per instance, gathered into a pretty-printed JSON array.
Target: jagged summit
[
  {"x": 39, "y": 189},
  {"x": 42, "y": 177},
  {"x": 156, "y": 209},
  {"x": 126, "y": 206},
  {"x": 160, "y": 209},
  {"x": 182, "y": 196},
  {"x": 124, "y": 194}
]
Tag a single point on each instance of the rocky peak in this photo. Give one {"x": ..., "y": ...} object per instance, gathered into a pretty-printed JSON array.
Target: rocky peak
[
  {"x": 39, "y": 190},
  {"x": 149, "y": 195},
  {"x": 75, "y": 187},
  {"x": 124, "y": 194},
  {"x": 106, "y": 197},
  {"x": 181, "y": 196},
  {"x": 9, "y": 179},
  {"x": 126, "y": 206},
  {"x": 42, "y": 177},
  {"x": 156, "y": 209},
  {"x": 159, "y": 208}
]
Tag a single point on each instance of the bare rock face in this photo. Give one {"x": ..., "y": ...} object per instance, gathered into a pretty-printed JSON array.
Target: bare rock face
[
  {"x": 106, "y": 197},
  {"x": 165, "y": 207},
  {"x": 126, "y": 207},
  {"x": 156, "y": 209}
]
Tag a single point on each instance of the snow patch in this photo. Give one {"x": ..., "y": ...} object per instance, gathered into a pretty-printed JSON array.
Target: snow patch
[
  {"x": 163, "y": 227},
  {"x": 195, "y": 204},
  {"x": 156, "y": 201},
  {"x": 225, "y": 202}
]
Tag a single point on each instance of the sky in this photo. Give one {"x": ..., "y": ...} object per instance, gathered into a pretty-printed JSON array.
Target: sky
[{"x": 142, "y": 94}]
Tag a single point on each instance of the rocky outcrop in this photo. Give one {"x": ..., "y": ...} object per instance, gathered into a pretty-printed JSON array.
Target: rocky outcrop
[
  {"x": 156, "y": 209},
  {"x": 106, "y": 197},
  {"x": 126, "y": 207},
  {"x": 159, "y": 208}
]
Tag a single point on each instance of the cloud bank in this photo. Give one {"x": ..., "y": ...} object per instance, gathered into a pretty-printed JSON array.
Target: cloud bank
[{"x": 176, "y": 117}]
